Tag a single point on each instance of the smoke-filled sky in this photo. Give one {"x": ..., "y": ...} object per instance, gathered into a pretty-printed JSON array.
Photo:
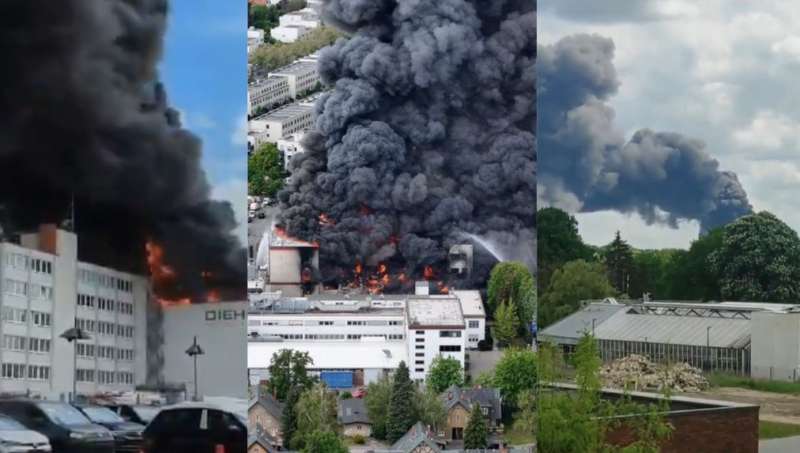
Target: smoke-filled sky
[
  {"x": 205, "y": 69},
  {"x": 716, "y": 71}
]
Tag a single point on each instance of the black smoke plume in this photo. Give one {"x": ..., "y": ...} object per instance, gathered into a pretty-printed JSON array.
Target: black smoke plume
[
  {"x": 84, "y": 120},
  {"x": 589, "y": 166},
  {"x": 427, "y": 134}
]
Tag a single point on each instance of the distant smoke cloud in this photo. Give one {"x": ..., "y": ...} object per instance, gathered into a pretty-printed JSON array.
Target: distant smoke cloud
[
  {"x": 428, "y": 132},
  {"x": 588, "y": 165},
  {"x": 82, "y": 117}
]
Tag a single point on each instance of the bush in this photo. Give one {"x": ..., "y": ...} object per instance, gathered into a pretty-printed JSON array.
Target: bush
[
  {"x": 358, "y": 439},
  {"x": 345, "y": 395}
]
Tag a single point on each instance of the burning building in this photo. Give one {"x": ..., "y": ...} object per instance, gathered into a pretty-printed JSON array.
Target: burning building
[
  {"x": 427, "y": 134},
  {"x": 293, "y": 265}
]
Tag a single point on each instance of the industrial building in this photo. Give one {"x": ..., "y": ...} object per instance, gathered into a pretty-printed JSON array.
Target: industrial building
[
  {"x": 255, "y": 39},
  {"x": 293, "y": 26},
  {"x": 268, "y": 93},
  {"x": 290, "y": 146},
  {"x": 302, "y": 76},
  {"x": 45, "y": 292},
  {"x": 287, "y": 120},
  {"x": 743, "y": 338},
  {"x": 365, "y": 335}
]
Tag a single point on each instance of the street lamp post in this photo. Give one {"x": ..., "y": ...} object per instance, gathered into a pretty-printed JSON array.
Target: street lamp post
[
  {"x": 194, "y": 351},
  {"x": 74, "y": 335},
  {"x": 708, "y": 347}
]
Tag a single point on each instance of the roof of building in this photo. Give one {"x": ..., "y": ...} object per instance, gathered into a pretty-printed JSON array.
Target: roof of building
[
  {"x": 263, "y": 440},
  {"x": 417, "y": 435},
  {"x": 434, "y": 312},
  {"x": 269, "y": 403},
  {"x": 285, "y": 113},
  {"x": 352, "y": 410},
  {"x": 471, "y": 303},
  {"x": 718, "y": 325},
  {"x": 333, "y": 355},
  {"x": 296, "y": 67},
  {"x": 485, "y": 397}
]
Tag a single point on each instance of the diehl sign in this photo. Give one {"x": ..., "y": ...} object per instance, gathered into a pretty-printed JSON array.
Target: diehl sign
[{"x": 225, "y": 315}]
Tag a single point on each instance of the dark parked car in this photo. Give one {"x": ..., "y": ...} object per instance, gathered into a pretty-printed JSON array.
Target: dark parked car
[
  {"x": 67, "y": 428},
  {"x": 127, "y": 435},
  {"x": 15, "y": 438},
  {"x": 135, "y": 413},
  {"x": 197, "y": 428}
]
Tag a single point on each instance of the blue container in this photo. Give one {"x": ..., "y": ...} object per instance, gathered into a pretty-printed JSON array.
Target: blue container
[{"x": 337, "y": 379}]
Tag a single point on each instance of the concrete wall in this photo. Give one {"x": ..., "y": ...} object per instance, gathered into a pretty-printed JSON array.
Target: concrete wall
[
  {"x": 221, "y": 332},
  {"x": 775, "y": 346}
]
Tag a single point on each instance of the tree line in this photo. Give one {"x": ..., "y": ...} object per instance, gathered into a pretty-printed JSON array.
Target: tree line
[{"x": 755, "y": 258}]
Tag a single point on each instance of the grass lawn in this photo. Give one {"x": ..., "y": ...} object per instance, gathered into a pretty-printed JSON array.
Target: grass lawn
[
  {"x": 516, "y": 437},
  {"x": 763, "y": 385},
  {"x": 774, "y": 430}
]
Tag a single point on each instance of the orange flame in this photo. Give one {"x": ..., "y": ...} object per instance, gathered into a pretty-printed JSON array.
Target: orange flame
[
  {"x": 428, "y": 273},
  {"x": 382, "y": 268},
  {"x": 155, "y": 261},
  {"x": 325, "y": 220},
  {"x": 443, "y": 289},
  {"x": 358, "y": 269}
]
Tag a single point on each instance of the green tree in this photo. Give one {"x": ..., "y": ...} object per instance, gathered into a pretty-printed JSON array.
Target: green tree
[
  {"x": 477, "y": 430},
  {"x": 272, "y": 56},
  {"x": 430, "y": 408},
  {"x": 515, "y": 373},
  {"x": 619, "y": 262},
  {"x": 650, "y": 271},
  {"x": 444, "y": 372},
  {"x": 316, "y": 411},
  {"x": 323, "y": 441},
  {"x": 557, "y": 242},
  {"x": 574, "y": 282},
  {"x": 289, "y": 416},
  {"x": 265, "y": 174},
  {"x": 505, "y": 323},
  {"x": 512, "y": 280},
  {"x": 689, "y": 275},
  {"x": 759, "y": 260},
  {"x": 401, "y": 405},
  {"x": 288, "y": 369},
  {"x": 525, "y": 417},
  {"x": 377, "y": 400}
]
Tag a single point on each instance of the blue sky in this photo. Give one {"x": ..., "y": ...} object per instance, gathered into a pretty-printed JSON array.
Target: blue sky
[{"x": 204, "y": 68}]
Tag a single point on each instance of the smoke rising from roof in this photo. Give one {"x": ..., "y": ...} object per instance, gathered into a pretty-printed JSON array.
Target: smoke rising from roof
[
  {"x": 84, "y": 118},
  {"x": 589, "y": 166},
  {"x": 427, "y": 133}
]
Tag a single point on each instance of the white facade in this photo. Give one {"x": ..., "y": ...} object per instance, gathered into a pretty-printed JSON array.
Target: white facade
[
  {"x": 290, "y": 146},
  {"x": 289, "y": 33},
  {"x": 271, "y": 127},
  {"x": 255, "y": 38},
  {"x": 306, "y": 17},
  {"x": 474, "y": 316},
  {"x": 45, "y": 291},
  {"x": 379, "y": 331},
  {"x": 267, "y": 93},
  {"x": 302, "y": 76}
]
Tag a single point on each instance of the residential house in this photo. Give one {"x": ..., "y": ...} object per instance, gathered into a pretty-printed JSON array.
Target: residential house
[
  {"x": 458, "y": 402},
  {"x": 418, "y": 439},
  {"x": 264, "y": 417},
  {"x": 352, "y": 415}
]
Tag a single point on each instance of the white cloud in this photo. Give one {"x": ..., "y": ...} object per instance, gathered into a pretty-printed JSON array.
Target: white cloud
[
  {"x": 195, "y": 120},
  {"x": 235, "y": 191},
  {"x": 769, "y": 131},
  {"x": 787, "y": 47}
]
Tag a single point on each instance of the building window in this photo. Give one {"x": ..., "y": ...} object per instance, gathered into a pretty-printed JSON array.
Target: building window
[
  {"x": 40, "y": 345},
  {"x": 13, "y": 371},
  {"x": 420, "y": 354},
  {"x": 84, "y": 375},
  {"x": 419, "y": 370},
  {"x": 449, "y": 348},
  {"x": 449, "y": 334},
  {"x": 41, "y": 318},
  {"x": 474, "y": 324},
  {"x": 15, "y": 315},
  {"x": 419, "y": 340},
  {"x": 15, "y": 287},
  {"x": 420, "y": 346},
  {"x": 14, "y": 342},
  {"x": 419, "y": 362},
  {"x": 38, "y": 372}
]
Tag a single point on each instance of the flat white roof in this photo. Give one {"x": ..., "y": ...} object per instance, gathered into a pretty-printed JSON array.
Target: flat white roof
[
  {"x": 332, "y": 355},
  {"x": 471, "y": 303},
  {"x": 432, "y": 311}
]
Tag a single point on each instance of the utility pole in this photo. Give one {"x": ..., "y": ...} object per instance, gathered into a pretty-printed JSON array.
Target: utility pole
[{"x": 194, "y": 351}]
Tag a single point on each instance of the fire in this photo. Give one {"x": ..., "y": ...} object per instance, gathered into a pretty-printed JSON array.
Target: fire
[
  {"x": 358, "y": 269},
  {"x": 443, "y": 289},
  {"x": 167, "y": 303},
  {"x": 163, "y": 276},
  {"x": 428, "y": 273},
  {"x": 402, "y": 277},
  {"x": 213, "y": 296},
  {"x": 383, "y": 268},
  {"x": 155, "y": 261},
  {"x": 325, "y": 220}
]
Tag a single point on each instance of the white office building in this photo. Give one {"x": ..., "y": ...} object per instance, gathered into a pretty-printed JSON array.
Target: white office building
[
  {"x": 255, "y": 38},
  {"x": 45, "y": 290},
  {"x": 290, "y": 146},
  {"x": 363, "y": 334},
  {"x": 287, "y": 120},
  {"x": 295, "y": 25},
  {"x": 267, "y": 93},
  {"x": 302, "y": 76}
]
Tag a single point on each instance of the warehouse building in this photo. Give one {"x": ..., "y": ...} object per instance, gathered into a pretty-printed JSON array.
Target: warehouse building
[
  {"x": 266, "y": 94},
  {"x": 302, "y": 76},
  {"x": 295, "y": 25},
  {"x": 364, "y": 335},
  {"x": 744, "y": 338},
  {"x": 287, "y": 120}
]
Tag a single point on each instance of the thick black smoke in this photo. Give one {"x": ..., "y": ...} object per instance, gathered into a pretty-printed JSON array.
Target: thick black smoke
[
  {"x": 589, "y": 166},
  {"x": 83, "y": 120},
  {"x": 427, "y": 134}
]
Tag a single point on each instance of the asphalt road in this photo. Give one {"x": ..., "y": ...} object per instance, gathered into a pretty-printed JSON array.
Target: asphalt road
[{"x": 256, "y": 228}]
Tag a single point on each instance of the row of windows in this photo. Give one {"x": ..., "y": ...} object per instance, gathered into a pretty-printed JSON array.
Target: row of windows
[
  {"x": 22, "y": 371},
  {"x": 474, "y": 324},
  {"x": 449, "y": 348},
  {"x": 295, "y": 322},
  {"x": 104, "y": 327},
  {"x": 21, "y": 316},
  {"x": 20, "y": 288},
  {"x": 101, "y": 303},
  {"x": 20, "y": 343},
  {"x": 103, "y": 376},
  {"x": 24, "y": 262},
  {"x": 449, "y": 334},
  {"x": 104, "y": 280}
]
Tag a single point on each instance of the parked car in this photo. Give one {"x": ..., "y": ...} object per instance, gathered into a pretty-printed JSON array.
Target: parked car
[
  {"x": 262, "y": 215},
  {"x": 360, "y": 392},
  {"x": 195, "y": 427},
  {"x": 68, "y": 430},
  {"x": 136, "y": 413},
  {"x": 127, "y": 435},
  {"x": 16, "y": 438}
]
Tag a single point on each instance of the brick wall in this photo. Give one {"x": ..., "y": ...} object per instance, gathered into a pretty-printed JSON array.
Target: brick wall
[{"x": 716, "y": 430}]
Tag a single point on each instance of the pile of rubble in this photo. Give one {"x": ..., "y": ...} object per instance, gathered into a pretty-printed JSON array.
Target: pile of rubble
[{"x": 636, "y": 372}]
